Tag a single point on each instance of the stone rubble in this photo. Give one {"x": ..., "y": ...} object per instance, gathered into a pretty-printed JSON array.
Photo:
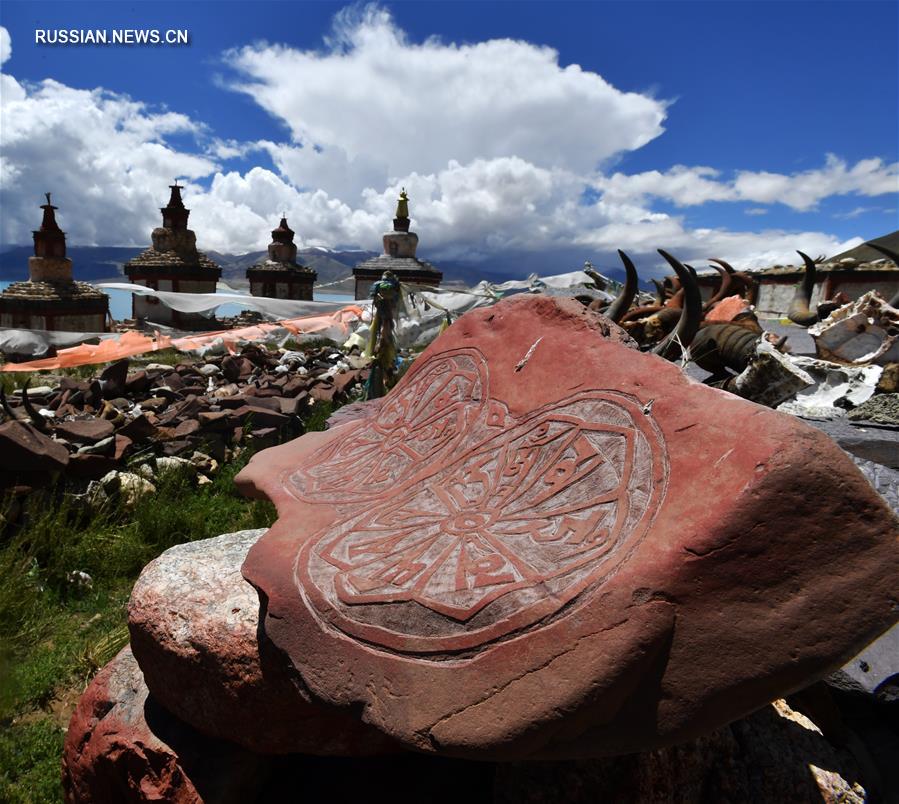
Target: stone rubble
[{"x": 92, "y": 427}]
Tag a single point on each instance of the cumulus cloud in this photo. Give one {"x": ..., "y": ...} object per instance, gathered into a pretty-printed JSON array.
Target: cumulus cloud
[
  {"x": 5, "y": 45},
  {"x": 691, "y": 186},
  {"x": 803, "y": 191},
  {"x": 103, "y": 155},
  {"x": 372, "y": 102},
  {"x": 500, "y": 145}
]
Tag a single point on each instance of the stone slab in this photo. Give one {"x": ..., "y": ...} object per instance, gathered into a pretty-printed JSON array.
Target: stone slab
[
  {"x": 25, "y": 449},
  {"x": 194, "y": 629},
  {"x": 85, "y": 431},
  {"x": 547, "y": 544}
]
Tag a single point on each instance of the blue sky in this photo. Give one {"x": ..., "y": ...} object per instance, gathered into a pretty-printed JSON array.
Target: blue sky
[{"x": 557, "y": 129}]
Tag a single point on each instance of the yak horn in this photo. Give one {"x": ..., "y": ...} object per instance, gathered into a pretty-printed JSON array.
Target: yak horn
[
  {"x": 799, "y": 311},
  {"x": 691, "y": 315},
  {"x": 723, "y": 288},
  {"x": 641, "y": 312},
  {"x": 4, "y": 403},
  {"x": 624, "y": 299},
  {"x": 726, "y": 266},
  {"x": 660, "y": 290}
]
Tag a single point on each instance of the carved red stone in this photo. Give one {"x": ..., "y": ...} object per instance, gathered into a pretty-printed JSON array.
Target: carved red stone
[{"x": 545, "y": 543}]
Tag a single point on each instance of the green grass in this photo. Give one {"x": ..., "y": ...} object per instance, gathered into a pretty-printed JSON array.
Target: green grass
[
  {"x": 56, "y": 633},
  {"x": 165, "y": 357},
  {"x": 29, "y": 762}
]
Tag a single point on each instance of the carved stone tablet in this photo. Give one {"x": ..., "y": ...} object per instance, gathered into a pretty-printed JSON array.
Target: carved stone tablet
[
  {"x": 545, "y": 543},
  {"x": 496, "y": 534}
]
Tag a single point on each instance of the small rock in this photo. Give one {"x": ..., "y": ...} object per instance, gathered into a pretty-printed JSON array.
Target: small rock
[
  {"x": 104, "y": 447},
  {"x": 154, "y": 403},
  {"x": 880, "y": 408},
  {"x": 138, "y": 429},
  {"x": 204, "y": 463},
  {"x": 25, "y": 449},
  {"x": 37, "y": 391},
  {"x": 90, "y": 467},
  {"x": 187, "y": 428},
  {"x": 85, "y": 431},
  {"x": 128, "y": 486},
  {"x": 173, "y": 464},
  {"x": 113, "y": 379}
]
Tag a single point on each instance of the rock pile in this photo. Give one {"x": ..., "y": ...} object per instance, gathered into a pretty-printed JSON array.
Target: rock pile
[
  {"x": 490, "y": 565},
  {"x": 85, "y": 429}
]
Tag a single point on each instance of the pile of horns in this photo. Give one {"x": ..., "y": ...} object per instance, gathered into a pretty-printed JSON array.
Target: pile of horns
[{"x": 679, "y": 321}]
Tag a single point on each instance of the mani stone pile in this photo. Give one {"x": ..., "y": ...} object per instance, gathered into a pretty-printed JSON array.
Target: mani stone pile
[
  {"x": 541, "y": 545},
  {"x": 93, "y": 430}
]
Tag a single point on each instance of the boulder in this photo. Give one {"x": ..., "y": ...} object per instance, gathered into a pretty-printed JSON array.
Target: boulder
[
  {"x": 194, "y": 629},
  {"x": 123, "y": 747},
  {"x": 548, "y": 544},
  {"x": 25, "y": 449}
]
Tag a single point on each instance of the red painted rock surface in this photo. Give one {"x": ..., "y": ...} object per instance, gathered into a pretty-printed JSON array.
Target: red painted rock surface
[
  {"x": 123, "y": 747},
  {"x": 194, "y": 622},
  {"x": 548, "y": 544}
]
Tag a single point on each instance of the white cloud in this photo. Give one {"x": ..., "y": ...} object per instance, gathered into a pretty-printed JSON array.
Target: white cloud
[
  {"x": 682, "y": 185},
  {"x": 495, "y": 141},
  {"x": 803, "y": 191},
  {"x": 102, "y": 155},
  {"x": 691, "y": 186},
  {"x": 5, "y": 45},
  {"x": 378, "y": 106}
]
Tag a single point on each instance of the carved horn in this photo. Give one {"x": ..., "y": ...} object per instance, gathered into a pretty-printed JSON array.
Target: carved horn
[
  {"x": 893, "y": 302},
  {"x": 799, "y": 311},
  {"x": 624, "y": 299},
  {"x": 690, "y": 317}
]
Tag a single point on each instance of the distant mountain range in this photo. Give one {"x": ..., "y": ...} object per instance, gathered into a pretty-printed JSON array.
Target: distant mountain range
[{"x": 95, "y": 263}]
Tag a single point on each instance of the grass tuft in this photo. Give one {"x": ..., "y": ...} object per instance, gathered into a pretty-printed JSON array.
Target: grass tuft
[{"x": 68, "y": 569}]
